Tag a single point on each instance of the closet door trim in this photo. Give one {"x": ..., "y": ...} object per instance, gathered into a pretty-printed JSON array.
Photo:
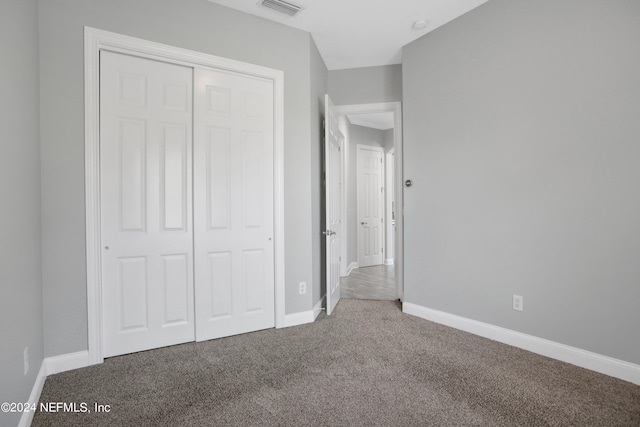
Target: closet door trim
[{"x": 96, "y": 40}]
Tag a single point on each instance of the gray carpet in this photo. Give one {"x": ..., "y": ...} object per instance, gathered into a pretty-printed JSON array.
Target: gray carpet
[{"x": 368, "y": 364}]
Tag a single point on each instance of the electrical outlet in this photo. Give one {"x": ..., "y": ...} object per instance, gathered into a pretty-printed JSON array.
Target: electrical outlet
[
  {"x": 303, "y": 288},
  {"x": 26, "y": 360},
  {"x": 518, "y": 303}
]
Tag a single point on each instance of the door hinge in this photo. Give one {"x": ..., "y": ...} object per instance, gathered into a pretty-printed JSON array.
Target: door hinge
[{"x": 323, "y": 124}]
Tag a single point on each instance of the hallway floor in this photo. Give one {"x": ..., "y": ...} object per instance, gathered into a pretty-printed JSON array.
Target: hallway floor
[{"x": 376, "y": 282}]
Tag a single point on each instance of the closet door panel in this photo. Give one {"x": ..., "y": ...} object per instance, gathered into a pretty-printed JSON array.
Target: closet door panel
[
  {"x": 233, "y": 202},
  {"x": 146, "y": 203}
]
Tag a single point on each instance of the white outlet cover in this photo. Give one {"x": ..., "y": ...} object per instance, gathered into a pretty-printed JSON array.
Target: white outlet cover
[{"x": 518, "y": 302}]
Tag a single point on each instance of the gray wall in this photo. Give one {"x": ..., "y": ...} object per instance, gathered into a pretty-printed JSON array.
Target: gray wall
[
  {"x": 20, "y": 273},
  {"x": 389, "y": 143},
  {"x": 201, "y": 26},
  {"x": 368, "y": 85},
  {"x": 364, "y": 136},
  {"x": 522, "y": 139},
  {"x": 318, "y": 90}
]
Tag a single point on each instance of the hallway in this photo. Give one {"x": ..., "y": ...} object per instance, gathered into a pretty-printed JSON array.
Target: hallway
[{"x": 377, "y": 283}]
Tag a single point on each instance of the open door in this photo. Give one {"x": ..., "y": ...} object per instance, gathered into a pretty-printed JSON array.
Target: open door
[{"x": 333, "y": 140}]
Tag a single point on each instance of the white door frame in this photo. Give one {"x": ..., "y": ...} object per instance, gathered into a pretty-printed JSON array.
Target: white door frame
[
  {"x": 396, "y": 109},
  {"x": 96, "y": 40},
  {"x": 389, "y": 178}
]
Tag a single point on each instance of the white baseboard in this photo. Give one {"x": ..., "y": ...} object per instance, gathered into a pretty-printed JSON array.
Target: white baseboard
[
  {"x": 319, "y": 307},
  {"x": 51, "y": 366},
  {"x": 34, "y": 397},
  {"x": 389, "y": 261},
  {"x": 301, "y": 318},
  {"x": 351, "y": 267},
  {"x": 585, "y": 359},
  {"x": 67, "y": 362}
]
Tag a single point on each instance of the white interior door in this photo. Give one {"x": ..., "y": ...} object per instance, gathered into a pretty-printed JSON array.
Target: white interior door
[
  {"x": 333, "y": 141},
  {"x": 370, "y": 190},
  {"x": 146, "y": 203},
  {"x": 233, "y": 204}
]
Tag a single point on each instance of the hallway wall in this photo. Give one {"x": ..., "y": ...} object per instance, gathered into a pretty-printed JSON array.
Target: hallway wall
[{"x": 20, "y": 252}]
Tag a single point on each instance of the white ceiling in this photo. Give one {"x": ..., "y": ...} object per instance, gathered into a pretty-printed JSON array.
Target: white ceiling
[
  {"x": 381, "y": 121},
  {"x": 361, "y": 33}
]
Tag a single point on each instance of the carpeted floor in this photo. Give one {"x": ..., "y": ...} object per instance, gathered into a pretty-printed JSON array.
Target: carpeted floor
[{"x": 368, "y": 364}]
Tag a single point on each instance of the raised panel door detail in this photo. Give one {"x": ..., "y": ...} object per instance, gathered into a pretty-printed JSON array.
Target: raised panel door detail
[
  {"x": 174, "y": 176},
  {"x": 373, "y": 197},
  {"x": 334, "y": 279},
  {"x": 253, "y": 277},
  {"x": 132, "y": 89},
  {"x": 252, "y": 180},
  {"x": 218, "y": 101},
  {"x": 132, "y": 180},
  {"x": 370, "y": 206},
  {"x": 367, "y": 240},
  {"x": 333, "y": 141},
  {"x": 218, "y": 177},
  {"x": 367, "y": 196},
  {"x": 175, "y": 96},
  {"x": 176, "y": 289},
  {"x": 375, "y": 245},
  {"x": 221, "y": 284},
  {"x": 146, "y": 203},
  {"x": 233, "y": 204},
  {"x": 133, "y": 294},
  {"x": 253, "y": 106}
]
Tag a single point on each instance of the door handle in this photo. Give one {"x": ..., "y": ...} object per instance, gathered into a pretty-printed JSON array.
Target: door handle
[
  {"x": 364, "y": 223},
  {"x": 329, "y": 233}
]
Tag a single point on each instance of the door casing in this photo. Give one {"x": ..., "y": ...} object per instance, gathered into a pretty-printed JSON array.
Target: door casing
[{"x": 96, "y": 40}]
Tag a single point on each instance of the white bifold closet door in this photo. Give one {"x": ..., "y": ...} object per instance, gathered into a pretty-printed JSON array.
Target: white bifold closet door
[
  {"x": 146, "y": 202},
  {"x": 186, "y": 203},
  {"x": 233, "y": 190}
]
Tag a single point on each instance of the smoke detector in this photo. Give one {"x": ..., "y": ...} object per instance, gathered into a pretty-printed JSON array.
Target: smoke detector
[
  {"x": 419, "y": 25},
  {"x": 281, "y": 6}
]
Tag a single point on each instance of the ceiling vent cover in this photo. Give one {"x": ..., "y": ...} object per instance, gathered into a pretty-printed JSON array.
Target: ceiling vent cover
[{"x": 281, "y": 6}]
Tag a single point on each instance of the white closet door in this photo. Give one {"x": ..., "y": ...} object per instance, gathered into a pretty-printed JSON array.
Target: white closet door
[
  {"x": 146, "y": 203},
  {"x": 233, "y": 203}
]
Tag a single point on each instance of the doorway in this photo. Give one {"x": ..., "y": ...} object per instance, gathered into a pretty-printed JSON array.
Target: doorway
[{"x": 387, "y": 271}]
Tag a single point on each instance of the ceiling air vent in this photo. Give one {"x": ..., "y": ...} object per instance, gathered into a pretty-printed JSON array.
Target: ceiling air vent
[{"x": 281, "y": 6}]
